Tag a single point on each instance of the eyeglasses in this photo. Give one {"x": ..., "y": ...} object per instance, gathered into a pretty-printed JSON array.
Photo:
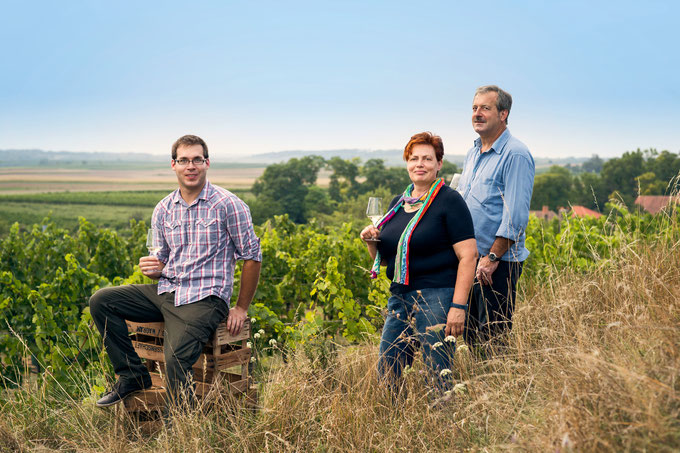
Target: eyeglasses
[{"x": 196, "y": 161}]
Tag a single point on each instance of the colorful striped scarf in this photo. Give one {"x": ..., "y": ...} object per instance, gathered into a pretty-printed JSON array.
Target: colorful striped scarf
[{"x": 401, "y": 259}]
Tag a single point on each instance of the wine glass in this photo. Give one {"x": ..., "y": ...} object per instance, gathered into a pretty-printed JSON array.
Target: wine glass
[
  {"x": 454, "y": 181},
  {"x": 374, "y": 212},
  {"x": 152, "y": 242}
]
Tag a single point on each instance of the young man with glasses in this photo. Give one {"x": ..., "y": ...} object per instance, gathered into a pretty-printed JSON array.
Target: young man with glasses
[{"x": 202, "y": 230}]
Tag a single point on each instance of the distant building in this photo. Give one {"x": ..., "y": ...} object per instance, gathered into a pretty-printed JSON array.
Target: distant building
[
  {"x": 655, "y": 203},
  {"x": 544, "y": 214},
  {"x": 582, "y": 211}
]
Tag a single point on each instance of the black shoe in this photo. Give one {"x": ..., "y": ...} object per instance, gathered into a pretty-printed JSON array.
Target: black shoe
[{"x": 120, "y": 390}]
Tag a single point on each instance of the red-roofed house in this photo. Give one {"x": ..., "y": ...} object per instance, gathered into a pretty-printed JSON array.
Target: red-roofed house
[
  {"x": 655, "y": 203},
  {"x": 582, "y": 211},
  {"x": 544, "y": 214}
]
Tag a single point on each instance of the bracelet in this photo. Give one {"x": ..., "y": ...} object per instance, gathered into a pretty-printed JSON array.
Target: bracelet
[{"x": 462, "y": 307}]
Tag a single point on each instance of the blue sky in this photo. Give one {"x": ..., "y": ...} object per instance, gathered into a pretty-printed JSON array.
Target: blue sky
[{"x": 260, "y": 76}]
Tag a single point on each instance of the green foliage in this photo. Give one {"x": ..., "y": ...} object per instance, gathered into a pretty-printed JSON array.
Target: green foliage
[
  {"x": 306, "y": 266},
  {"x": 338, "y": 303},
  {"x": 635, "y": 173},
  {"x": 314, "y": 288},
  {"x": 448, "y": 170},
  {"x": 343, "y": 182},
  {"x": 552, "y": 189},
  {"x": 584, "y": 243},
  {"x": 46, "y": 278},
  {"x": 592, "y": 165},
  {"x": 394, "y": 179},
  {"x": 283, "y": 187}
]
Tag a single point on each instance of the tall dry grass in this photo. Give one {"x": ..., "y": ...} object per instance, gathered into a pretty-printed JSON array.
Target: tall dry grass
[{"x": 593, "y": 364}]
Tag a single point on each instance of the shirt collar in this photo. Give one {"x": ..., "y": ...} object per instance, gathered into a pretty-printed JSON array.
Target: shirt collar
[
  {"x": 498, "y": 145},
  {"x": 205, "y": 194}
]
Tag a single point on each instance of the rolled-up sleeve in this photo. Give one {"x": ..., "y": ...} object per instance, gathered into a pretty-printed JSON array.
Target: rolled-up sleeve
[
  {"x": 519, "y": 184},
  {"x": 240, "y": 229}
]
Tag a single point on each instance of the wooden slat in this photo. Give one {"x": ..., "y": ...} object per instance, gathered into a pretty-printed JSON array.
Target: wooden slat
[
  {"x": 200, "y": 374},
  {"x": 155, "y": 352},
  {"x": 149, "y": 351},
  {"x": 154, "y": 398},
  {"x": 152, "y": 329},
  {"x": 220, "y": 337},
  {"x": 237, "y": 357},
  {"x": 149, "y": 399},
  {"x": 236, "y": 387},
  {"x": 239, "y": 386},
  {"x": 157, "y": 380}
]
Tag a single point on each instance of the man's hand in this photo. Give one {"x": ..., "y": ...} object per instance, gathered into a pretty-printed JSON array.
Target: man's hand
[
  {"x": 455, "y": 321},
  {"x": 237, "y": 317},
  {"x": 151, "y": 266},
  {"x": 485, "y": 268}
]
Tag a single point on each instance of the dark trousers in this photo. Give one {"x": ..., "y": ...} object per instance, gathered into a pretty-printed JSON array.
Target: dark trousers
[
  {"x": 187, "y": 330},
  {"x": 491, "y": 306}
]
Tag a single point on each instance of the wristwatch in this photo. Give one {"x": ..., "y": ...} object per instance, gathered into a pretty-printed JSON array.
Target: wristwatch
[{"x": 492, "y": 257}]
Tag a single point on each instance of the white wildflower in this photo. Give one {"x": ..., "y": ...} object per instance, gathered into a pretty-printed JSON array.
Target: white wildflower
[
  {"x": 445, "y": 372},
  {"x": 252, "y": 320},
  {"x": 261, "y": 331},
  {"x": 463, "y": 348},
  {"x": 459, "y": 389},
  {"x": 252, "y": 359},
  {"x": 272, "y": 343},
  {"x": 257, "y": 335},
  {"x": 438, "y": 344},
  {"x": 450, "y": 339},
  {"x": 249, "y": 344}
]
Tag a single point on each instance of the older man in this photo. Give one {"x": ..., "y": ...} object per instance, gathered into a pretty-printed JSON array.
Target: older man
[
  {"x": 497, "y": 182},
  {"x": 201, "y": 231}
]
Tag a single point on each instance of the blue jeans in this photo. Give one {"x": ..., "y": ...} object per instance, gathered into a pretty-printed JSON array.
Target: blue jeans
[{"x": 422, "y": 309}]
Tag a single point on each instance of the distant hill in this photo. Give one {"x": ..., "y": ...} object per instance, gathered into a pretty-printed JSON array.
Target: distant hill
[
  {"x": 38, "y": 157},
  {"x": 392, "y": 157}
]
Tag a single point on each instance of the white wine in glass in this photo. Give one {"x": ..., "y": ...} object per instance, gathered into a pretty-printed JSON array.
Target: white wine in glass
[
  {"x": 152, "y": 242},
  {"x": 374, "y": 211}
]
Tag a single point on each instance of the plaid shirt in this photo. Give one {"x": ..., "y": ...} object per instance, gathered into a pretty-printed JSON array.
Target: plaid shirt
[{"x": 201, "y": 242}]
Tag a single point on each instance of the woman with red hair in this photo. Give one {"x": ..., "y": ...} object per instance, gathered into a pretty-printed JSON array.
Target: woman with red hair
[{"x": 427, "y": 242}]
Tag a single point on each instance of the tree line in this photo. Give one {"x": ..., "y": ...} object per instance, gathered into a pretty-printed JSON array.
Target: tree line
[
  {"x": 291, "y": 187},
  {"x": 592, "y": 184}
]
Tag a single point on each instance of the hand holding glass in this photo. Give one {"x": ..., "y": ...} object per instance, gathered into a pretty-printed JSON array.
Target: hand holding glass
[
  {"x": 152, "y": 242},
  {"x": 374, "y": 212}
]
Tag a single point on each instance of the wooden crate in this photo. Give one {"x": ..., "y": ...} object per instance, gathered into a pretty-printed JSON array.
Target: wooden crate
[{"x": 222, "y": 368}]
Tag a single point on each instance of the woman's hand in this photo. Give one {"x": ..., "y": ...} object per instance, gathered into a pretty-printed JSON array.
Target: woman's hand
[
  {"x": 455, "y": 321},
  {"x": 369, "y": 233}
]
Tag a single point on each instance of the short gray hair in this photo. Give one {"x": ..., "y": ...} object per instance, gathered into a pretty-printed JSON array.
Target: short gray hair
[{"x": 504, "y": 100}]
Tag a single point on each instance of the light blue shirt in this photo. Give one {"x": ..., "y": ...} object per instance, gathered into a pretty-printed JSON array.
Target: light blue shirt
[{"x": 497, "y": 187}]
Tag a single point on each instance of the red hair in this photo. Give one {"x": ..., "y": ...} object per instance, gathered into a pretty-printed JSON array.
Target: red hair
[{"x": 425, "y": 138}]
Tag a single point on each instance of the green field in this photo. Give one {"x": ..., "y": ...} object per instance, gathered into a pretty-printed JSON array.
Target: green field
[
  {"x": 66, "y": 214},
  {"x": 112, "y": 209}
]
